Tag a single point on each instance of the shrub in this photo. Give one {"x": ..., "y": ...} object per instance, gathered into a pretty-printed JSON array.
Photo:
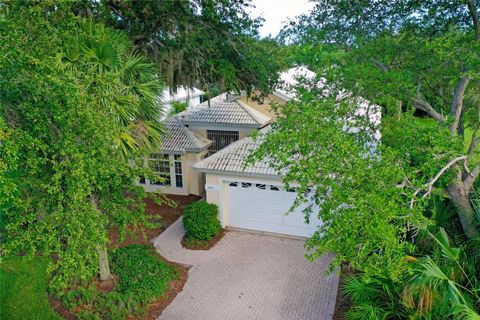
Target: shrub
[
  {"x": 142, "y": 278},
  {"x": 200, "y": 220},
  {"x": 141, "y": 273}
]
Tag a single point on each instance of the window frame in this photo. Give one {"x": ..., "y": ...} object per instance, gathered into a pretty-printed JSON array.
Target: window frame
[
  {"x": 174, "y": 175},
  {"x": 178, "y": 164},
  {"x": 221, "y": 139}
]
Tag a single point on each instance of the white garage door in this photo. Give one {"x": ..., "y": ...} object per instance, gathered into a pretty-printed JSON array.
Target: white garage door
[{"x": 263, "y": 207}]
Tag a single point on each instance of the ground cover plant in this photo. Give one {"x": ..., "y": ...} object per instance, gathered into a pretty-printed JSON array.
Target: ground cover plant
[{"x": 142, "y": 278}]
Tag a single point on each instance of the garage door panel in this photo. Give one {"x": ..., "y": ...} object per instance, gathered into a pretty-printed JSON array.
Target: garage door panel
[{"x": 263, "y": 207}]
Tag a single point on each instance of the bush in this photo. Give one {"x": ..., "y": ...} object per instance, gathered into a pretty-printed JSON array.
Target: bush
[
  {"x": 141, "y": 273},
  {"x": 142, "y": 278},
  {"x": 200, "y": 220}
]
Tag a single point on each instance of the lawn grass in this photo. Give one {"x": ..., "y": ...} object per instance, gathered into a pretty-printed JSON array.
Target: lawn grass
[{"x": 23, "y": 285}]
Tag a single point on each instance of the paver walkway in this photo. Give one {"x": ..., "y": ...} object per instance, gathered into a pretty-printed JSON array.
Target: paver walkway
[{"x": 249, "y": 276}]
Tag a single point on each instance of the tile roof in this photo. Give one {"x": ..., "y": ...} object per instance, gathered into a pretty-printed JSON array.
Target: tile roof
[
  {"x": 224, "y": 111},
  {"x": 231, "y": 159},
  {"x": 181, "y": 139}
]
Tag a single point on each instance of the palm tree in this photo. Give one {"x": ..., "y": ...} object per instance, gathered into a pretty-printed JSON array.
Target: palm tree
[
  {"x": 441, "y": 285},
  {"x": 128, "y": 88},
  {"x": 127, "y": 84}
]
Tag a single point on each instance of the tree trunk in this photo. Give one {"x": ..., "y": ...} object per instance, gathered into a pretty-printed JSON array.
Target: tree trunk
[
  {"x": 474, "y": 15},
  {"x": 459, "y": 195},
  {"x": 103, "y": 264},
  {"x": 457, "y": 103}
]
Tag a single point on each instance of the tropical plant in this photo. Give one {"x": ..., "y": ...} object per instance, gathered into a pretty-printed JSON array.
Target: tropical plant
[
  {"x": 109, "y": 53},
  {"x": 442, "y": 285},
  {"x": 195, "y": 43},
  {"x": 177, "y": 107},
  {"x": 71, "y": 116}
]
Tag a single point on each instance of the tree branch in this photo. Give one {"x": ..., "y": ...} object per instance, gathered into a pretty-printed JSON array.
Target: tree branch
[
  {"x": 379, "y": 64},
  {"x": 457, "y": 103},
  {"x": 474, "y": 15},
  {"x": 429, "y": 185},
  {"x": 425, "y": 106},
  {"x": 475, "y": 142},
  {"x": 470, "y": 178}
]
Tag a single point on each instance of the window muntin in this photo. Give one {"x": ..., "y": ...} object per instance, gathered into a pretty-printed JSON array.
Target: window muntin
[
  {"x": 178, "y": 171},
  {"x": 221, "y": 139},
  {"x": 160, "y": 164}
]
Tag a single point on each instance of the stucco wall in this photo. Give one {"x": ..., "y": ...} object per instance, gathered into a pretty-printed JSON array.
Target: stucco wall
[
  {"x": 265, "y": 106},
  {"x": 195, "y": 179}
]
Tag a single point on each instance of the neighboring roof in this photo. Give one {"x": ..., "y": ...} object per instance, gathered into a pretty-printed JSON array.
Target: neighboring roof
[
  {"x": 289, "y": 79},
  {"x": 182, "y": 93},
  {"x": 231, "y": 160},
  {"x": 224, "y": 111},
  {"x": 181, "y": 139}
]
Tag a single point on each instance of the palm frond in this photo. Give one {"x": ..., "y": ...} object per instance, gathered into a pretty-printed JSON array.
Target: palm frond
[
  {"x": 427, "y": 274},
  {"x": 367, "y": 311},
  {"x": 448, "y": 252},
  {"x": 464, "y": 312},
  {"x": 359, "y": 290}
]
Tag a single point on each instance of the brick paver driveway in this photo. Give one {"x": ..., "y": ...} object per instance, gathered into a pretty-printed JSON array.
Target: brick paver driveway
[{"x": 249, "y": 276}]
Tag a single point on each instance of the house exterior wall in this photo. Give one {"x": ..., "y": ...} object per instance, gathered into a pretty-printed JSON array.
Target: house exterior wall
[
  {"x": 193, "y": 181},
  {"x": 216, "y": 192},
  {"x": 264, "y": 107}
]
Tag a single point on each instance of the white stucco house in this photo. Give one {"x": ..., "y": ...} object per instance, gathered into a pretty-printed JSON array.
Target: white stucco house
[
  {"x": 191, "y": 96},
  {"x": 205, "y": 151}
]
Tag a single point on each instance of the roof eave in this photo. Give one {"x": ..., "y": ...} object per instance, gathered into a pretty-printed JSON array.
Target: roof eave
[
  {"x": 239, "y": 173},
  {"x": 282, "y": 95},
  {"x": 222, "y": 124}
]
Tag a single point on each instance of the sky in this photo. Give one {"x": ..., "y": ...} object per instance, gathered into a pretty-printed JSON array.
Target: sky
[{"x": 276, "y": 12}]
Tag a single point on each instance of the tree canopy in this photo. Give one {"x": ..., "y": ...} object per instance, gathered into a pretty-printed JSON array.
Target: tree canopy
[
  {"x": 195, "y": 43},
  {"x": 70, "y": 99},
  {"x": 406, "y": 218}
]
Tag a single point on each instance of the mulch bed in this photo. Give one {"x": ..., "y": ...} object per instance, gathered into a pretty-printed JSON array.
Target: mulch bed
[
  {"x": 168, "y": 216},
  {"x": 203, "y": 244},
  {"x": 60, "y": 309},
  {"x": 343, "y": 303}
]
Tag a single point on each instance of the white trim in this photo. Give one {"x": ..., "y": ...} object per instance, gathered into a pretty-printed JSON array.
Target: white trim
[
  {"x": 282, "y": 96},
  {"x": 172, "y": 188}
]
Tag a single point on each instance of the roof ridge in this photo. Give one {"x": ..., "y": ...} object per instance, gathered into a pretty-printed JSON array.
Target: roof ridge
[
  {"x": 193, "y": 136},
  {"x": 222, "y": 151},
  {"x": 252, "y": 112}
]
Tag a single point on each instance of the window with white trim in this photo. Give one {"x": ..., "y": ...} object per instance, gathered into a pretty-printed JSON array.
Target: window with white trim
[
  {"x": 160, "y": 164},
  {"x": 178, "y": 170}
]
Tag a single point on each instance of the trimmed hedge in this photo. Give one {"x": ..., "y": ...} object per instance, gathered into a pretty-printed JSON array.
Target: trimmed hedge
[{"x": 200, "y": 220}]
